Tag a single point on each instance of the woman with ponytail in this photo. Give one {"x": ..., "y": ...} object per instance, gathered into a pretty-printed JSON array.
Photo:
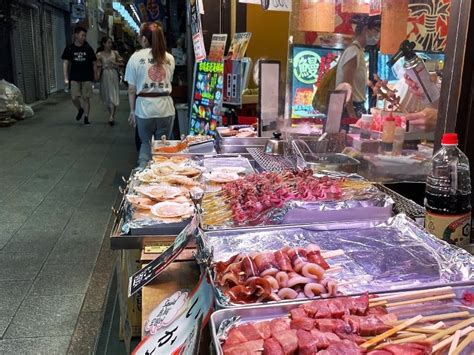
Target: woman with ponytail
[{"x": 149, "y": 74}]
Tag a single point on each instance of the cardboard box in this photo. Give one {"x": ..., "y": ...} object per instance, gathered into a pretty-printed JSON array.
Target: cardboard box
[{"x": 130, "y": 308}]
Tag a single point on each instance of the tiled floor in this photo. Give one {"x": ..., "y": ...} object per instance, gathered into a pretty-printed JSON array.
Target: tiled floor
[{"x": 58, "y": 181}]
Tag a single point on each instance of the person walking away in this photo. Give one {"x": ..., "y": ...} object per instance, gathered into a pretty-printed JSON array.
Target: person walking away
[
  {"x": 79, "y": 68},
  {"x": 352, "y": 66},
  {"x": 149, "y": 74},
  {"x": 108, "y": 64}
]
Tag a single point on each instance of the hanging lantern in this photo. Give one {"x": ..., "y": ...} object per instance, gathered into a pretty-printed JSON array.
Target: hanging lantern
[
  {"x": 317, "y": 16},
  {"x": 394, "y": 25},
  {"x": 356, "y": 6}
]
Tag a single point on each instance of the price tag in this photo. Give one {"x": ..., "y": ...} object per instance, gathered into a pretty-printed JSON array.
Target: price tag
[{"x": 155, "y": 267}]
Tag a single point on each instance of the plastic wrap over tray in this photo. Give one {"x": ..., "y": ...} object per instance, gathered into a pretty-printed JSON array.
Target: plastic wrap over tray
[
  {"x": 223, "y": 320},
  {"x": 378, "y": 256}
]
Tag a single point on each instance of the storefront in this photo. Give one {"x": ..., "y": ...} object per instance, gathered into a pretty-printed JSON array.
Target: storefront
[{"x": 235, "y": 243}]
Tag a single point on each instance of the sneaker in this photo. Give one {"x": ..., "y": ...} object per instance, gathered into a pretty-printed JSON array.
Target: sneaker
[
  {"x": 80, "y": 112},
  {"x": 86, "y": 121}
]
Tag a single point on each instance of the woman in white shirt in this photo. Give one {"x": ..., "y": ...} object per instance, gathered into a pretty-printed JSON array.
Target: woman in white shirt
[
  {"x": 352, "y": 67},
  {"x": 149, "y": 74}
]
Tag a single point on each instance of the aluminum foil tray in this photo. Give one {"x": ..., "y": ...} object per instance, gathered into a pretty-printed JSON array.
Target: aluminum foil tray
[
  {"x": 376, "y": 205},
  {"x": 223, "y": 319},
  {"x": 394, "y": 254}
]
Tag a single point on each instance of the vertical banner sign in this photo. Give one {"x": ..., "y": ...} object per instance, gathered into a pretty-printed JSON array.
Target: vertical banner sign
[
  {"x": 239, "y": 45},
  {"x": 375, "y": 7},
  {"x": 207, "y": 98},
  {"x": 151, "y": 10},
  {"x": 196, "y": 32},
  {"x": 277, "y": 5},
  {"x": 154, "y": 268},
  {"x": 174, "y": 327},
  {"x": 216, "y": 52}
]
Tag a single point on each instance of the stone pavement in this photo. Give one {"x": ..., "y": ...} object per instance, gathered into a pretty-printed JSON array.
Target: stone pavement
[{"x": 58, "y": 181}]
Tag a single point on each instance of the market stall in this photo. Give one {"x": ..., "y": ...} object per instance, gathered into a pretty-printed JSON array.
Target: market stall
[{"x": 290, "y": 244}]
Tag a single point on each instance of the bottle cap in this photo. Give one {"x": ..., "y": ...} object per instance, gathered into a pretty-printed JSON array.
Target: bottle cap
[
  {"x": 366, "y": 118},
  {"x": 449, "y": 138}
]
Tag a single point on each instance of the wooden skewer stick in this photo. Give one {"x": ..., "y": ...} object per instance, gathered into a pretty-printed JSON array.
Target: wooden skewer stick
[
  {"x": 469, "y": 339},
  {"x": 377, "y": 304},
  {"x": 444, "y": 316},
  {"x": 422, "y": 300},
  {"x": 427, "y": 330},
  {"x": 448, "y": 340},
  {"x": 431, "y": 292},
  {"x": 332, "y": 253},
  {"x": 335, "y": 269},
  {"x": 392, "y": 331},
  {"x": 416, "y": 337},
  {"x": 455, "y": 342},
  {"x": 452, "y": 329}
]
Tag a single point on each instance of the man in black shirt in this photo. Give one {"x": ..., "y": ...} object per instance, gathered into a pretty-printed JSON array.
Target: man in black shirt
[{"x": 79, "y": 68}]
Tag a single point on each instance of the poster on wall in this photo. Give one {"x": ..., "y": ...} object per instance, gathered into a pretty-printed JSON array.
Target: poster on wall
[
  {"x": 428, "y": 24},
  {"x": 216, "y": 52},
  {"x": 207, "y": 98},
  {"x": 151, "y": 10},
  {"x": 277, "y": 5},
  {"x": 375, "y": 7},
  {"x": 196, "y": 32},
  {"x": 239, "y": 45},
  {"x": 309, "y": 64}
]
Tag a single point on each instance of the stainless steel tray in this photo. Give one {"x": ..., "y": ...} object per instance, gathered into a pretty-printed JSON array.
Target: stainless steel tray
[
  {"x": 378, "y": 255},
  {"x": 227, "y": 317},
  {"x": 249, "y": 141}
]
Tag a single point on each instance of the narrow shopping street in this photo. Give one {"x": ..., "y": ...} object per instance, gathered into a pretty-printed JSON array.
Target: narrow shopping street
[{"x": 58, "y": 182}]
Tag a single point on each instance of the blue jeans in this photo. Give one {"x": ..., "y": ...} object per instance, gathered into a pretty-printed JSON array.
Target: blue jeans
[{"x": 148, "y": 128}]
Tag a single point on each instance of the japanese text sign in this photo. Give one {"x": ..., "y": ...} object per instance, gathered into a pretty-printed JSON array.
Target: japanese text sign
[
  {"x": 154, "y": 268},
  {"x": 174, "y": 327}
]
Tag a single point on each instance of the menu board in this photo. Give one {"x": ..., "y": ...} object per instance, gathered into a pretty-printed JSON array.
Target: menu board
[
  {"x": 207, "y": 98},
  {"x": 309, "y": 64},
  {"x": 216, "y": 52}
]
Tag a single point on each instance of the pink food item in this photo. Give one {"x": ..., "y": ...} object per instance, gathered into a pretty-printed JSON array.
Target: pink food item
[
  {"x": 414, "y": 348},
  {"x": 279, "y": 325},
  {"x": 249, "y": 267},
  {"x": 288, "y": 340},
  {"x": 273, "y": 282},
  {"x": 306, "y": 343},
  {"x": 265, "y": 261},
  {"x": 313, "y": 289},
  {"x": 283, "y": 260},
  {"x": 287, "y": 293},
  {"x": 297, "y": 313},
  {"x": 241, "y": 334},
  {"x": 247, "y": 348},
  {"x": 264, "y": 329},
  {"x": 352, "y": 337},
  {"x": 313, "y": 271},
  {"x": 282, "y": 278},
  {"x": 305, "y": 323},
  {"x": 370, "y": 325},
  {"x": 333, "y": 325},
  {"x": 272, "y": 347},
  {"x": 342, "y": 347},
  {"x": 315, "y": 257},
  {"x": 298, "y": 258},
  {"x": 299, "y": 280},
  {"x": 324, "y": 339}
]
